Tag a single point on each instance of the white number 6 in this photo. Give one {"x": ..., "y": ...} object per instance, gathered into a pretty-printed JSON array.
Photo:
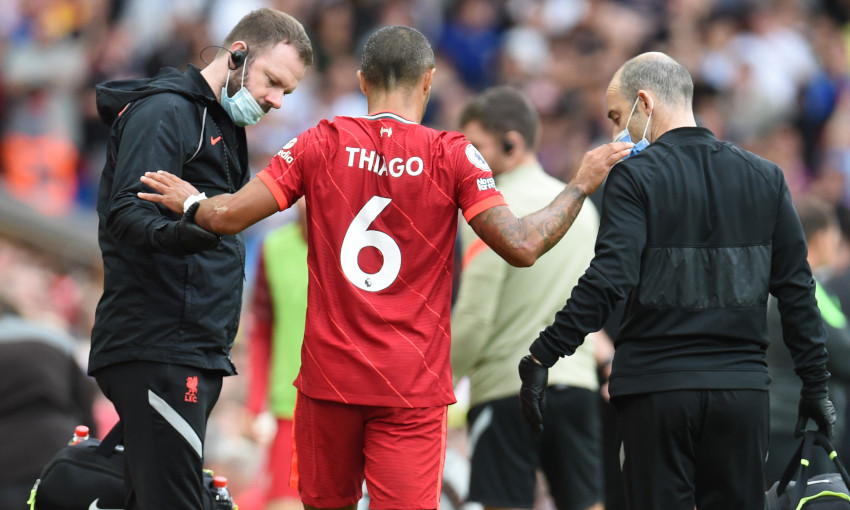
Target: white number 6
[{"x": 358, "y": 237}]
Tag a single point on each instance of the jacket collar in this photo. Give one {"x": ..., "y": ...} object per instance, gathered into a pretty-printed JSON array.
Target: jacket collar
[
  {"x": 194, "y": 76},
  {"x": 685, "y": 135}
]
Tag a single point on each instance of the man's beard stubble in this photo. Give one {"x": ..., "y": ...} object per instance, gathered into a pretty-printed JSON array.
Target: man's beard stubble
[{"x": 233, "y": 85}]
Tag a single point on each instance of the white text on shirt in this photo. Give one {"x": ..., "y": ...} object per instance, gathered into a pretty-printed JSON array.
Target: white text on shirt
[{"x": 377, "y": 163}]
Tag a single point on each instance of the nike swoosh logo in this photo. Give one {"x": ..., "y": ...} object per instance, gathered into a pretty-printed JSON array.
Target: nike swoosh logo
[
  {"x": 215, "y": 140},
  {"x": 94, "y": 506}
]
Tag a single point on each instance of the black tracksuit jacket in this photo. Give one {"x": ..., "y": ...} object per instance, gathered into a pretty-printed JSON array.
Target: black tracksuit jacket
[
  {"x": 695, "y": 233},
  {"x": 160, "y": 303}
]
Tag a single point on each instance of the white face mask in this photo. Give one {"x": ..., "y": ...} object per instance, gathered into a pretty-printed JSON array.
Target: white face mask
[
  {"x": 242, "y": 107},
  {"x": 624, "y": 136}
]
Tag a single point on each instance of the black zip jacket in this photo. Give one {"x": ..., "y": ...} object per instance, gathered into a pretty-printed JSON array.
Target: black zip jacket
[
  {"x": 159, "y": 303},
  {"x": 695, "y": 233}
]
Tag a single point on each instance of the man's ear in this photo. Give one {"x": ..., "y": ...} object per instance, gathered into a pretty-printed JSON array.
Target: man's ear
[
  {"x": 513, "y": 143},
  {"x": 364, "y": 86},
  {"x": 239, "y": 45},
  {"x": 238, "y": 54},
  {"x": 647, "y": 102},
  {"x": 428, "y": 80}
]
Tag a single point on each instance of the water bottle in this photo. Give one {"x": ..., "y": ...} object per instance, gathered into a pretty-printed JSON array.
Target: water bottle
[
  {"x": 81, "y": 433},
  {"x": 222, "y": 495}
]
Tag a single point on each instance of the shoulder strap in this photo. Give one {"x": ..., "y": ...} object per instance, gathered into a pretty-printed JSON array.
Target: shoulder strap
[
  {"x": 822, "y": 440},
  {"x": 800, "y": 484},
  {"x": 113, "y": 438},
  {"x": 791, "y": 468}
]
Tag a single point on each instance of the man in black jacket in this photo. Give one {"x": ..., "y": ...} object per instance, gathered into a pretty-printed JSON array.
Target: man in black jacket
[
  {"x": 169, "y": 312},
  {"x": 694, "y": 234}
]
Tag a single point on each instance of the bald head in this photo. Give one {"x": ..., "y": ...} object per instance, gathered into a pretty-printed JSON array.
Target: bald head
[
  {"x": 658, "y": 73},
  {"x": 650, "y": 95}
]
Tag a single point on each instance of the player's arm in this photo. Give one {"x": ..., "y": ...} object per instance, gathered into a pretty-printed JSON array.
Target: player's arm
[
  {"x": 520, "y": 241},
  {"x": 791, "y": 282},
  {"x": 223, "y": 214}
]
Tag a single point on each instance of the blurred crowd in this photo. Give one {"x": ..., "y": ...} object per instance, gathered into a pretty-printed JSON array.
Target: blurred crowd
[{"x": 773, "y": 76}]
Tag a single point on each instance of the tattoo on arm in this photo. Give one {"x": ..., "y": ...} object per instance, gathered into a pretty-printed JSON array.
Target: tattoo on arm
[
  {"x": 555, "y": 220},
  {"x": 520, "y": 241}
]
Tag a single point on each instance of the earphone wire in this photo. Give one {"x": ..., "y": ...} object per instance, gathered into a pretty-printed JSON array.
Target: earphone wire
[
  {"x": 201, "y": 54},
  {"x": 241, "y": 55}
]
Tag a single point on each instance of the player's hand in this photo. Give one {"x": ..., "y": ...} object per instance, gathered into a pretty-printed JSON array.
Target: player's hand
[
  {"x": 172, "y": 190},
  {"x": 596, "y": 164},
  {"x": 532, "y": 393},
  {"x": 819, "y": 409},
  {"x": 194, "y": 238}
]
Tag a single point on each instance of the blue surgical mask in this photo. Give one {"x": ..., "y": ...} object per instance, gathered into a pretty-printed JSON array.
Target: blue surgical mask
[
  {"x": 624, "y": 136},
  {"x": 242, "y": 107}
]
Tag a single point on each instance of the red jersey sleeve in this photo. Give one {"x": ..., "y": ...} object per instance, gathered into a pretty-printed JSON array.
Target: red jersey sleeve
[
  {"x": 284, "y": 176},
  {"x": 476, "y": 189}
]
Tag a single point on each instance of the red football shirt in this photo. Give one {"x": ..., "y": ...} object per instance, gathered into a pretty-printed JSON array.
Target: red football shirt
[{"x": 383, "y": 195}]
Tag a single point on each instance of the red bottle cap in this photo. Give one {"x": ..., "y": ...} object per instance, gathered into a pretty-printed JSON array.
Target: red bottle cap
[
  {"x": 81, "y": 431},
  {"x": 219, "y": 482}
]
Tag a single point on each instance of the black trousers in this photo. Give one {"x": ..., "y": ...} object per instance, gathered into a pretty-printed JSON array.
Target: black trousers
[
  {"x": 164, "y": 410},
  {"x": 686, "y": 448}
]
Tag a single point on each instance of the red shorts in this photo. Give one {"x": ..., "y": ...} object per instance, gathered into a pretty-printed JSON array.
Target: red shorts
[
  {"x": 280, "y": 460},
  {"x": 398, "y": 451}
]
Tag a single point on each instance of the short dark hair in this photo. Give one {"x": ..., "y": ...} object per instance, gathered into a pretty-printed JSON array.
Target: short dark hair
[
  {"x": 396, "y": 56},
  {"x": 502, "y": 109},
  {"x": 815, "y": 215},
  {"x": 659, "y": 73},
  {"x": 265, "y": 28}
]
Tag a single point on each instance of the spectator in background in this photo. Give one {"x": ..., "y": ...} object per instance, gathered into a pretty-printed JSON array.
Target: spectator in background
[
  {"x": 338, "y": 95},
  {"x": 40, "y": 136},
  {"x": 168, "y": 316},
  {"x": 821, "y": 94},
  {"x": 559, "y": 52},
  {"x": 276, "y": 329},
  {"x": 499, "y": 307},
  {"x": 470, "y": 41},
  {"x": 334, "y": 34},
  {"x": 44, "y": 395},
  {"x": 820, "y": 226}
]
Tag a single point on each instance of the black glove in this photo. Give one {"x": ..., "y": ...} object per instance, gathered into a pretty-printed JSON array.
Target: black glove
[
  {"x": 191, "y": 236},
  {"x": 819, "y": 409},
  {"x": 532, "y": 393}
]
